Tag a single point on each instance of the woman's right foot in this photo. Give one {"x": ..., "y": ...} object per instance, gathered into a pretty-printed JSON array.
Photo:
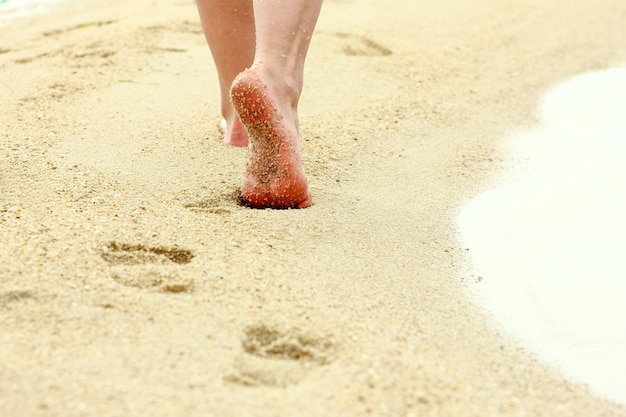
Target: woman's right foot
[{"x": 274, "y": 176}]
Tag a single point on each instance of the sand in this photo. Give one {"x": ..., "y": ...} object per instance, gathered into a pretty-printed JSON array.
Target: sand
[{"x": 133, "y": 283}]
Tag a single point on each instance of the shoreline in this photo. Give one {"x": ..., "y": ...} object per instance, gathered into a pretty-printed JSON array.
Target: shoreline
[
  {"x": 548, "y": 254},
  {"x": 9, "y": 12},
  {"x": 112, "y": 135}
]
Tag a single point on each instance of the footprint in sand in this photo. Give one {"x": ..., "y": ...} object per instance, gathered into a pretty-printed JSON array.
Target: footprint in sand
[
  {"x": 131, "y": 261},
  {"x": 132, "y": 254},
  {"x": 82, "y": 26},
  {"x": 218, "y": 203},
  {"x": 357, "y": 45},
  {"x": 92, "y": 50},
  {"x": 15, "y": 296},
  {"x": 278, "y": 358},
  {"x": 185, "y": 26}
]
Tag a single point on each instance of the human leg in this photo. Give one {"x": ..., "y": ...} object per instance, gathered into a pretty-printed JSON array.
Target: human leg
[
  {"x": 266, "y": 98},
  {"x": 230, "y": 32}
]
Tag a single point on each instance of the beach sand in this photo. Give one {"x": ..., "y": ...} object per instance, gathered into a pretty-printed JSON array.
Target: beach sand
[{"x": 133, "y": 283}]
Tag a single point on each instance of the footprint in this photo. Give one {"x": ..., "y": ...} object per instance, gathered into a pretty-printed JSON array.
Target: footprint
[
  {"x": 133, "y": 254},
  {"x": 56, "y": 32},
  {"x": 157, "y": 49},
  {"x": 131, "y": 270},
  {"x": 29, "y": 59},
  {"x": 276, "y": 358},
  {"x": 185, "y": 26},
  {"x": 252, "y": 371},
  {"x": 218, "y": 204},
  {"x": 265, "y": 342},
  {"x": 164, "y": 281},
  {"x": 69, "y": 53},
  {"x": 356, "y": 45},
  {"x": 15, "y": 296},
  {"x": 91, "y": 55}
]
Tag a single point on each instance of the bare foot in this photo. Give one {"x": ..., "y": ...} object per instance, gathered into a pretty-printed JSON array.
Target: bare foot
[
  {"x": 235, "y": 134},
  {"x": 274, "y": 176}
]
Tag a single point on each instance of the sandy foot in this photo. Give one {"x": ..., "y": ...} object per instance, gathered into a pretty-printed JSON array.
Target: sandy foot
[{"x": 274, "y": 176}]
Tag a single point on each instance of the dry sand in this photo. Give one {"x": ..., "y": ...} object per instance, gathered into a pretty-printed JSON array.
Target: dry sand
[{"x": 132, "y": 282}]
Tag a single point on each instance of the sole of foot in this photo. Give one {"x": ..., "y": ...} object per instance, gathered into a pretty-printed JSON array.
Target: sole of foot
[{"x": 274, "y": 176}]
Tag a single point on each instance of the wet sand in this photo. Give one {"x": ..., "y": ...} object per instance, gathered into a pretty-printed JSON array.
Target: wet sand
[{"x": 133, "y": 283}]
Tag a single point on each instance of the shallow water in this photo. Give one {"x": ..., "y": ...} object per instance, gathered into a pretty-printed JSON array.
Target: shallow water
[
  {"x": 18, "y": 9},
  {"x": 550, "y": 247}
]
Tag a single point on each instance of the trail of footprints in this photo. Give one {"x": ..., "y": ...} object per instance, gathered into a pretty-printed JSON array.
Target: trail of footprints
[
  {"x": 91, "y": 56},
  {"x": 349, "y": 44},
  {"x": 271, "y": 357}
]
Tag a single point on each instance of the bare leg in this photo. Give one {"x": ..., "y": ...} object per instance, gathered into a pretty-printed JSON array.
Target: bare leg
[
  {"x": 230, "y": 32},
  {"x": 266, "y": 98}
]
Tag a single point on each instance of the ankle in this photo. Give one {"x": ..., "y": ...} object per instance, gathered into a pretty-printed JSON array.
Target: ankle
[
  {"x": 228, "y": 112},
  {"x": 282, "y": 82}
]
